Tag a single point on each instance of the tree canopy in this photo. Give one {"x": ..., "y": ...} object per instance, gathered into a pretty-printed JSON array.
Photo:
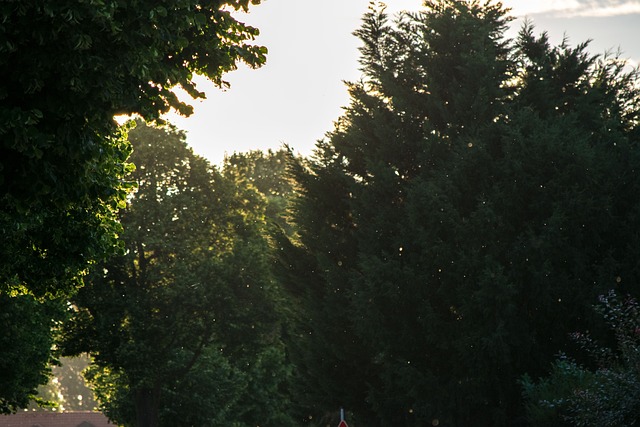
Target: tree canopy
[
  {"x": 186, "y": 318},
  {"x": 26, "y": 341},
  {"x": 68, "y": 68},
  {"x": 474, "y": 198},
  {"x": 265, "y": 173}
]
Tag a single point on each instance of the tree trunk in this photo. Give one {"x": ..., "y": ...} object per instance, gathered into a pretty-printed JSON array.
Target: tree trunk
[{"x": 147, "y": 407}]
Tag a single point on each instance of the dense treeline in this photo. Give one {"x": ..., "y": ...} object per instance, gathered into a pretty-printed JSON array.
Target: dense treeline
[
  {"x": 424, "y": 267},
  {"x": 183, "y": 328},
  {"x": 67, "y": 68},
  {"x": 475, "y": 198}
]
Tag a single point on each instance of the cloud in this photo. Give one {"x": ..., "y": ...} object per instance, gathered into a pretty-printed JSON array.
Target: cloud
[
  {"x": 575, "y": 8},
  {"x": 528, "y": 7},
  {"x": 607, "y": 10}
]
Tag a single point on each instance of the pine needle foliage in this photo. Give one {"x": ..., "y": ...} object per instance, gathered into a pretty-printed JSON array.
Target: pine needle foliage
[{"x": 474, "y": 198}]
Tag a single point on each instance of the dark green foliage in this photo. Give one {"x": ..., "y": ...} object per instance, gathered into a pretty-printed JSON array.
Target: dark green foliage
[
  {"x": 475, "y": 197},
  {"x": 213, "y": 387},
  {"x": 26, "y": 342},
  {"x": 545, "y": 400},
  {"x": 188, "y": 311},
  {"x": 607, "y": 394},
  {"x": 264, "y": 172},
  {"x": 67, "y": 68}
]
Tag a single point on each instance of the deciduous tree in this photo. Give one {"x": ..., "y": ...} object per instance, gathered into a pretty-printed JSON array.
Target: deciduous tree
[
  {"x": 68, "y": 67},
  {"x": 266, "y": 173},
  {"x": 26, "y": 339},
  {"x": 190, "y": 305}
]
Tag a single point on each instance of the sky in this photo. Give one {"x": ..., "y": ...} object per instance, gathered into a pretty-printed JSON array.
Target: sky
[{"x": 299, "y": 93}]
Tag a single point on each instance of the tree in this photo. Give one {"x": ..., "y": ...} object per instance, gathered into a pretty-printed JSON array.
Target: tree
[
  {"x": 189, "y": 307},
  {"x": 475, "y": 196},
  {"x": 68, "y": 68},
  {"x": 266, "y": 173},
  {"x": 26, "y": 339}
]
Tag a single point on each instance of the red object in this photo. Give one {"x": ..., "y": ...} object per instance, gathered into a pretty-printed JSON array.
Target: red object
[{"x": 343, "y": 423}]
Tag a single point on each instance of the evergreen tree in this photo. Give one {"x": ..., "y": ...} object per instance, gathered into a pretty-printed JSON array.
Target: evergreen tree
[{"x": 474, "y": 198}]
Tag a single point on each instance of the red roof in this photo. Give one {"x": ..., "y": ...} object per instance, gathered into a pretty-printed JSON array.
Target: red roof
[{"x": 55, "y": 419}]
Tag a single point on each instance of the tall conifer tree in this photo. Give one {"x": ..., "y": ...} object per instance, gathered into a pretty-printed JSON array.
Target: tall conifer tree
[{"x": 457, "y": 223}]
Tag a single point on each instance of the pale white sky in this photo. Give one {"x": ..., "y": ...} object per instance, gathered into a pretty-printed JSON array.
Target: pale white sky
[{"x": 299, "y": 93}]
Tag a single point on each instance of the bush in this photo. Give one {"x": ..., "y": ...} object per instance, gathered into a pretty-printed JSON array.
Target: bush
[{"x": 607, "y": 395}]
